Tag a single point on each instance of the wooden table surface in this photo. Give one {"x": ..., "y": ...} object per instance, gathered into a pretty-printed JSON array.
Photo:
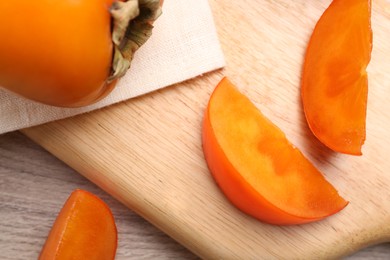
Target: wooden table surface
[{"x": 34, "y": 185}]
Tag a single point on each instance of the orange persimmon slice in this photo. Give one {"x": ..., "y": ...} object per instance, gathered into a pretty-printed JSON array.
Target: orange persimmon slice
[
  {"x": 84, "y": 229},
  {"x": 334, "y": 82},
  {"x": 257, "y": 168}
]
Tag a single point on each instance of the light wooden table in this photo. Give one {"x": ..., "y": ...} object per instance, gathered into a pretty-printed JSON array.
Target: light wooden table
[{"x": 34, "y": 185}]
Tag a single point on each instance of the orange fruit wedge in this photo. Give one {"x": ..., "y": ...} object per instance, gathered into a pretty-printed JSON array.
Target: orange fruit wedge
[
  {"x": 84, "y": 229},
  {"x": 257, "y": 168},
  {"x": 334, "y": 81}
]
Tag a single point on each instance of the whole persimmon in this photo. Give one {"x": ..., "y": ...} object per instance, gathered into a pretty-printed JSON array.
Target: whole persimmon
[{"x": 70, "y": 53}]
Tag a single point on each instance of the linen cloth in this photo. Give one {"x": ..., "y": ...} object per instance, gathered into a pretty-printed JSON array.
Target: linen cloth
[{"x": 184, "y": 45}]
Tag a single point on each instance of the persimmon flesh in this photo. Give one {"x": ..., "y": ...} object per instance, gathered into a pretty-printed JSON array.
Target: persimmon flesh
[
  {"x": 257, "y": 168},
  {"x": 84, "y": 229},
  {"x": 334, "y": 82}
]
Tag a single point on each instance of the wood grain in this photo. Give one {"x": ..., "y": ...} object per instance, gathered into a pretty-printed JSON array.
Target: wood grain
[
  {"x": 146, "y": 152},
  {"x": 33, "y": 187}
]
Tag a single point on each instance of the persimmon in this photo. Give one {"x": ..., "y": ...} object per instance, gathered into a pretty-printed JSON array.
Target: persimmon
[
  {"x": 84, "y": 229},
  {"x": 70, "y": 53},
  {"x": 334, "y": 81},
  {"x": 257, "y": 168}
]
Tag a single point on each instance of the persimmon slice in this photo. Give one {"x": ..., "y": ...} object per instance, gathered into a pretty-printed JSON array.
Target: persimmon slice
[
  {"x": 334, "y": 82},
  {"x": 257, "y": 168},
  {"x": 84, "y": 229}
]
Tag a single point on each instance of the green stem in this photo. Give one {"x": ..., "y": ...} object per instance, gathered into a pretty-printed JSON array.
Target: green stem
[{"x": 132, "y": 28}]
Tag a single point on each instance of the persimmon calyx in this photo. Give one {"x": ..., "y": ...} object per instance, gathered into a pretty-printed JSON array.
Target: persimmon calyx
[{"x": 132, "y": 22}]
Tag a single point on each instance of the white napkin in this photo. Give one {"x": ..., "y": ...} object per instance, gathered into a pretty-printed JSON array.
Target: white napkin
[{"x": 184, "y": 45}]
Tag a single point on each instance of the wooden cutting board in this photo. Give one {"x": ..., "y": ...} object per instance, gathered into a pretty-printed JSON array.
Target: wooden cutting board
[{"x": 147, "y": 151}]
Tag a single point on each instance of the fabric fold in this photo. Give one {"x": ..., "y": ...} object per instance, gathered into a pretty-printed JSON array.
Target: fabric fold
[{"x": 184, "y": 45}]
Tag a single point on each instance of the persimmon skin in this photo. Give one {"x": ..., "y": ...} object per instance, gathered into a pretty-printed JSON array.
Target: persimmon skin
[
  {"x": 289, "y": 170},
  {"x": 84, "y": 229},
  {"x": 334, "y": 82},
  {"x": 56, "y": 52}
]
